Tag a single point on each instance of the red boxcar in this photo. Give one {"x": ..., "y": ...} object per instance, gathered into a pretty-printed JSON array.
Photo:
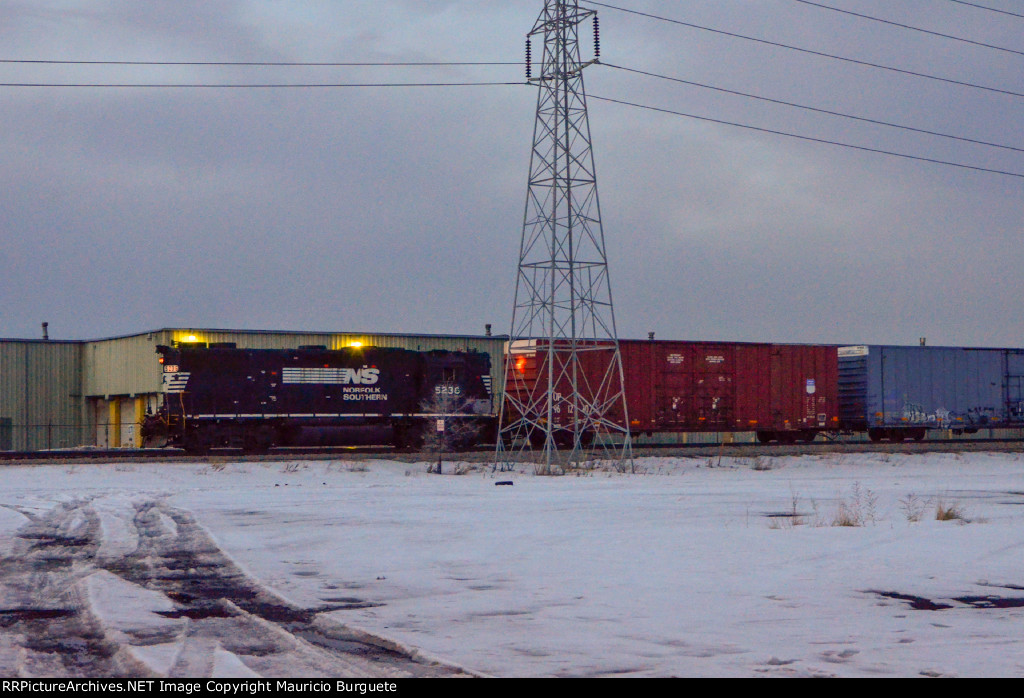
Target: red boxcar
[
  {"x": 783, "y": 392},
  {"x": 780, "y": 391}
]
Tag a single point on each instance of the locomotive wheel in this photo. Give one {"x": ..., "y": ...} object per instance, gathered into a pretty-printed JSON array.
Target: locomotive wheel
[
  {"x": 257, "y": 440},
  {"x": 765, "y": 437},
  {"x": 409, "y": 437},
  {"x": 196, "y": 442}
]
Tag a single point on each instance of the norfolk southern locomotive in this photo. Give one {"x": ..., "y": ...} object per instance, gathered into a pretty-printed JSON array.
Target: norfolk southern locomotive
[{"x": 219, "y": 396}]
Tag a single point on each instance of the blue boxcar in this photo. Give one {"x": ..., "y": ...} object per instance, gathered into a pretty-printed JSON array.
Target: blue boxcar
[{"x": 897, "y": 392}]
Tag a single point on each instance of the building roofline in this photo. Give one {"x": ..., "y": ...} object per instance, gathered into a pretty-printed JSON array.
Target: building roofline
[
  {"x": 186, "y": 328},
  {"x": 39, "y": 340}
]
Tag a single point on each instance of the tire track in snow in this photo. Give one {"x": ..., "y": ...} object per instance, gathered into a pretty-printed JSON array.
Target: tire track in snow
[
  {"x": 45, "y": 621},
  {"x": 162, "y": 599}
]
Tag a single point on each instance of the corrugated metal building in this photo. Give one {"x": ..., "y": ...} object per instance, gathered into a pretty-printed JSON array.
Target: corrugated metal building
[
  {"x": 65, "y": 394},
  {"x": 41, "y": 403}
]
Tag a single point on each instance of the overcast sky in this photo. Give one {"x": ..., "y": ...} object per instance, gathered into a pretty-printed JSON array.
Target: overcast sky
[{"x": 400, "y": 209}]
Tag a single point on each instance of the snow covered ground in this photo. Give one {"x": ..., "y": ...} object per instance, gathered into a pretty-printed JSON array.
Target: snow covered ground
[{"x": 690, "y": 567}]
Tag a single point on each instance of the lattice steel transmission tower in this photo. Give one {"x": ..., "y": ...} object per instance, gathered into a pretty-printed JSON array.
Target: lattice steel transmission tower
[{"x": 564, "y": 402}]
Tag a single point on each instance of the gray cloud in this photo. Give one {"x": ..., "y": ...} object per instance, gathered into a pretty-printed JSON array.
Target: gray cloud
[{"x": 400, "y": 209}]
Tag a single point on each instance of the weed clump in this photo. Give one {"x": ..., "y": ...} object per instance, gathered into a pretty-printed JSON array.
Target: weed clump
[
  {"x": 858, "y": 509},
  {"x": 913, "y": 507},
  {"x": 949, "y": 511}
]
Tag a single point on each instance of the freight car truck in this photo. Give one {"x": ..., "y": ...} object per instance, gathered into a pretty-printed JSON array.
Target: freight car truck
[
  {"x": 898, "y": 393},
  {"x": 220, "y": 396}
]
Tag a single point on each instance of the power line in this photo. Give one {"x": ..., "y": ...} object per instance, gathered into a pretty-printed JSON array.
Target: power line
[
  {"x": 289, "y": 64},
  {"x": 990, "y": 9},
  {"x": 811, "y": 138},
  {"x": 911, "y": 28},
  {"x": 258, "y": 85},
  {"x": 813, "y": 109},
  {"x": 821, "y": 54},
  {"x": 263, "y": 64}
]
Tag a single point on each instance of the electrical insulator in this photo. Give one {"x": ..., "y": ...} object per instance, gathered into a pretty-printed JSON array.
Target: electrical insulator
[
  {"x": 597, "y": 38},
  {"x": 527, "y": 58}
]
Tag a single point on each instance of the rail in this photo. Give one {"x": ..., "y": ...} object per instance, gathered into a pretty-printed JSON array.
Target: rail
[{"x": 483, "y": 453}]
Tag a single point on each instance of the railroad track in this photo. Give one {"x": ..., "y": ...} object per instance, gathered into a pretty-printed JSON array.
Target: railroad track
[
  {"x": 483, "y": 453},
  {"x": 157, "y": 454}
]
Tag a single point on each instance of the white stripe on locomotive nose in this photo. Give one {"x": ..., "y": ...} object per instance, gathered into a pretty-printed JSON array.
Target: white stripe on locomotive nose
[{"x": 175, "y": 382}]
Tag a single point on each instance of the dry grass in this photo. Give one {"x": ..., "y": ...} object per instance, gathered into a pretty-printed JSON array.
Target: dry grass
[
  {"x": 952, "y": 511},
  {"x": 847, "y": 516},
  {"x": 913, "y": 507},
  {"x": 857, "y": 509}
]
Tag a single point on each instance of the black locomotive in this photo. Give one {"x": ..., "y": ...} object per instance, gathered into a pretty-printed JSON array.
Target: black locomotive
[{"x": 220, "y": 396}]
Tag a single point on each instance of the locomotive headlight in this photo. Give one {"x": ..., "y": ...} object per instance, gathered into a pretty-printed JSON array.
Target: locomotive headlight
[{"x": 187, "y": 337}]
